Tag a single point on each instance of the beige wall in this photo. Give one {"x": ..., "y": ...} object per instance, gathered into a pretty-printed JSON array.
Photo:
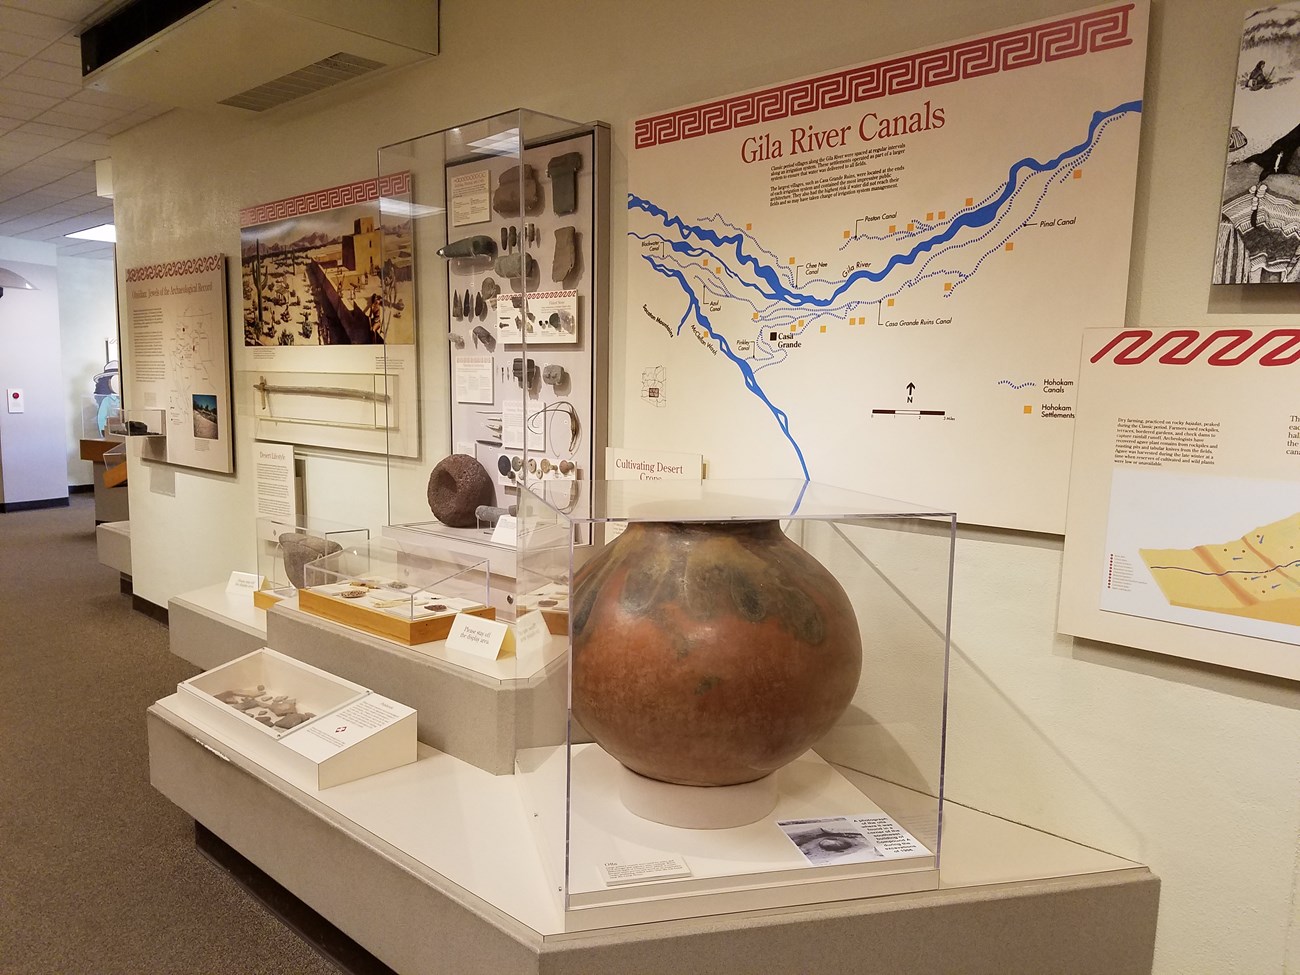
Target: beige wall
[{"x": 1193, "y": 770}]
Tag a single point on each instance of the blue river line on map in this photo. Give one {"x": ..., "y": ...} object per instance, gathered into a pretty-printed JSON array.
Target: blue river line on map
[{"x": 988, "y": 212}]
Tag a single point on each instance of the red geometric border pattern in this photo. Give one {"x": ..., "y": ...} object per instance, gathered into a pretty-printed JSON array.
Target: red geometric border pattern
[
  {"x": 362, "y": 191},
  {"x": 175, "y": 269},
  {"x": 1100, "y": 30},
  {"x": 1285, "y": 342}
]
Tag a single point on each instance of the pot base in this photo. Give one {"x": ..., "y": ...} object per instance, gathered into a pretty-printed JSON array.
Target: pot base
[{"x": 697, "y": 807}]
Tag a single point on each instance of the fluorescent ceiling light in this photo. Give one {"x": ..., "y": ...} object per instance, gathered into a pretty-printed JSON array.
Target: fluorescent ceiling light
[
  {"x": 400, "y": 208},
  {"x": 105, "y": 232},
  {"x": 501, "y": 144}
]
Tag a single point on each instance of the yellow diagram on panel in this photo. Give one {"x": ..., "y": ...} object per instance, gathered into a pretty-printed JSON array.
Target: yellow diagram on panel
[{"x": 1257, "y": 575}]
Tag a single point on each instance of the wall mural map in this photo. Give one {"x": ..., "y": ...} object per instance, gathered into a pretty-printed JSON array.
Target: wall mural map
[{"x": 878, "y": 277}]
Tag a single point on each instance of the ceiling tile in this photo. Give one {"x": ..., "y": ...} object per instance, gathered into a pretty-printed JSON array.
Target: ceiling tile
[
  {"x": 65, "y": 51},
  {"x": 18, "y": 139},
  {"x": 87, "y": 248},
  {"x": 61, "y": 132},
  {"x": 23, "y": 225},
  {"x": 23, "y": 112},
  {"x": 30, "y": 99},
  {"x": 72, "y": 109},
  {"x": 93, "y": 96},
  {"x": 80, "y": 151},
  {"x": 40, "y": 67},
  {"x": 22, "y": 44},
  {"x": 77, "y": 11},
  {"x": 21, "y": 81},
  {"x": 17, "y": 21},
  {"x": 8, "y": 62}
]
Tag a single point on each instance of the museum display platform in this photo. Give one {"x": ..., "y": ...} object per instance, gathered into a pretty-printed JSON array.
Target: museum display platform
[
  {"x": 110, "y": 499},
  {"x": 113, "y": 547},
  {"x": 432, "y": 868},
  {"x": 210, "y": 626},
  {"x": 469, "y": 707}
]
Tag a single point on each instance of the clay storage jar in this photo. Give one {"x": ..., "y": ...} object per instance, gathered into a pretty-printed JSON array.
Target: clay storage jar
[{"x": 710, "y": 653}]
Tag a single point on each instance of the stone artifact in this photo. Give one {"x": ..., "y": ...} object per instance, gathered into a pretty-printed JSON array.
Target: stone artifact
[
  {"x": 435, "y": 607},
  {"x": 457, "y": 486},
  {"x": 710, "y": 653},
  {"x": 514, "y": 236},
  {"x": 480, "y": 306},
  {"x": 566, "y": 253},
  {"x": 455, "y": 306},
  {"x": 566, "y": 467},
  {"x": 563, "y": 171},
  {"x": 481, "y": 334},
  {"x": 489, "y": 289},
  {"x": 491, "y": 514},
  {"x": 513, "y": 265},
  {"x": 505, "y": 238},
  {"x": 506, "y": 200},
  {"x": 274, "y": 711},
  {"x": 299, "y": 549},
  {"x": 467, "y": 305},
  {"x": 479, "y": 245},
  {"x": 353, "y": 593},
  {"x": 503, "y": 465}
]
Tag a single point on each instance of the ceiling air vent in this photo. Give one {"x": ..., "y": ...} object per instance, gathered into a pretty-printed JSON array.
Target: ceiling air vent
[
  {"x": 252, "y": 55},
  {"x": 315, "y": 77}
]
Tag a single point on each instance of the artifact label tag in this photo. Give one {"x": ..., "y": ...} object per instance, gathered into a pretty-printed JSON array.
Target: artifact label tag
[
  {"x": 243, "y": 582},
  {"x": 488, "y": 639},
  {"x": 614, "y": 872},
  {"x": 506, "y": 531},
  {"x": 531, "y": 636},
  {"x": 346, "y": 727}
]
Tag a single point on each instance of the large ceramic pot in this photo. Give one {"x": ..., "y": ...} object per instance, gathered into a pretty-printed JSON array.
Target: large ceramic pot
[{"x": 711, "y": 653}]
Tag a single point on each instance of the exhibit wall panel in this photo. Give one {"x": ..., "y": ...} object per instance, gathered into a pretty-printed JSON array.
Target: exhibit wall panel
[
  {"x": 1191, "y": 769},
  {"x": 87, "y": 319}
]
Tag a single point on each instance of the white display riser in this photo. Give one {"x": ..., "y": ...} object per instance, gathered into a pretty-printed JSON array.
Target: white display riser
[
  {"x": 430, "y": 868},
  {"x": 113, "y": 545},
  {"x": 477, "y": 711},
  {"x": 210, "y": 627}
]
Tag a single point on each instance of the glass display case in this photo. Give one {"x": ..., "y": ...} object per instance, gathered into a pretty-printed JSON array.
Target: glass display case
[
  {"x": 410, "y": 597},
  {"x": 286, "y": 545},
  {"x": 508, "y": 252},
  {"x": 98, "y": 414},
  {"x": 756, "y": 694},
  {"x": 146, "y": 423}
]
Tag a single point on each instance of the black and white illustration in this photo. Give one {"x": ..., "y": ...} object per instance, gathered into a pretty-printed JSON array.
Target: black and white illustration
[
  {"x": 1259, "y": 220},
  {"x": 832, "y": 839}
]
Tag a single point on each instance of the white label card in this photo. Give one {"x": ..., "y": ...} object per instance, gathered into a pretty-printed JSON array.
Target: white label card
[
  {"x": 531, "y": 636},
  {"x": 243, "y": 582},
  {"x": 488, "y": 639},
  {"x": 506, "y": 530},
  {"x": 347, "y": 726},
  {"x": 613, "y": 872}
]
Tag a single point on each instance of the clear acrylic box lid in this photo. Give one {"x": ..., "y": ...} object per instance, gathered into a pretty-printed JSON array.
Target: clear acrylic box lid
[{"x": 719, "y": 500}]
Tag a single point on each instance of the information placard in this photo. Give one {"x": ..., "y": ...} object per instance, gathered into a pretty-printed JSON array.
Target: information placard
[
  {"x": 180, "y": 341},
  {"x": 1184, "y": 522}
]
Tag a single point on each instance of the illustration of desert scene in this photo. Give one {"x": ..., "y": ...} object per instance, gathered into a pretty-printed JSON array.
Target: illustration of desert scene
[
  {"x": 204, "y": 408},
  {"x": 1259, "y": 222},
  {"x": 340, "y": 277},
  {"x": 1257, "y": 575}
]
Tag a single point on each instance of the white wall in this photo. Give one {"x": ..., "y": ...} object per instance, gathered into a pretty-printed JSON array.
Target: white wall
[
  {"x": 1191, "y": 769},
  {"x": 87, "y": 319},
  {"x": 32, "y": 453}
]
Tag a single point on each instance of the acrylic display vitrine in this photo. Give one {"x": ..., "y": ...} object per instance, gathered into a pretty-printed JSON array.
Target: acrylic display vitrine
[
  {"x": 729, "y": 747},
  {"x": 286, "y": 545},
  {"x": 406, "y": 596},
  {"x": 509, "y": 255}
]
